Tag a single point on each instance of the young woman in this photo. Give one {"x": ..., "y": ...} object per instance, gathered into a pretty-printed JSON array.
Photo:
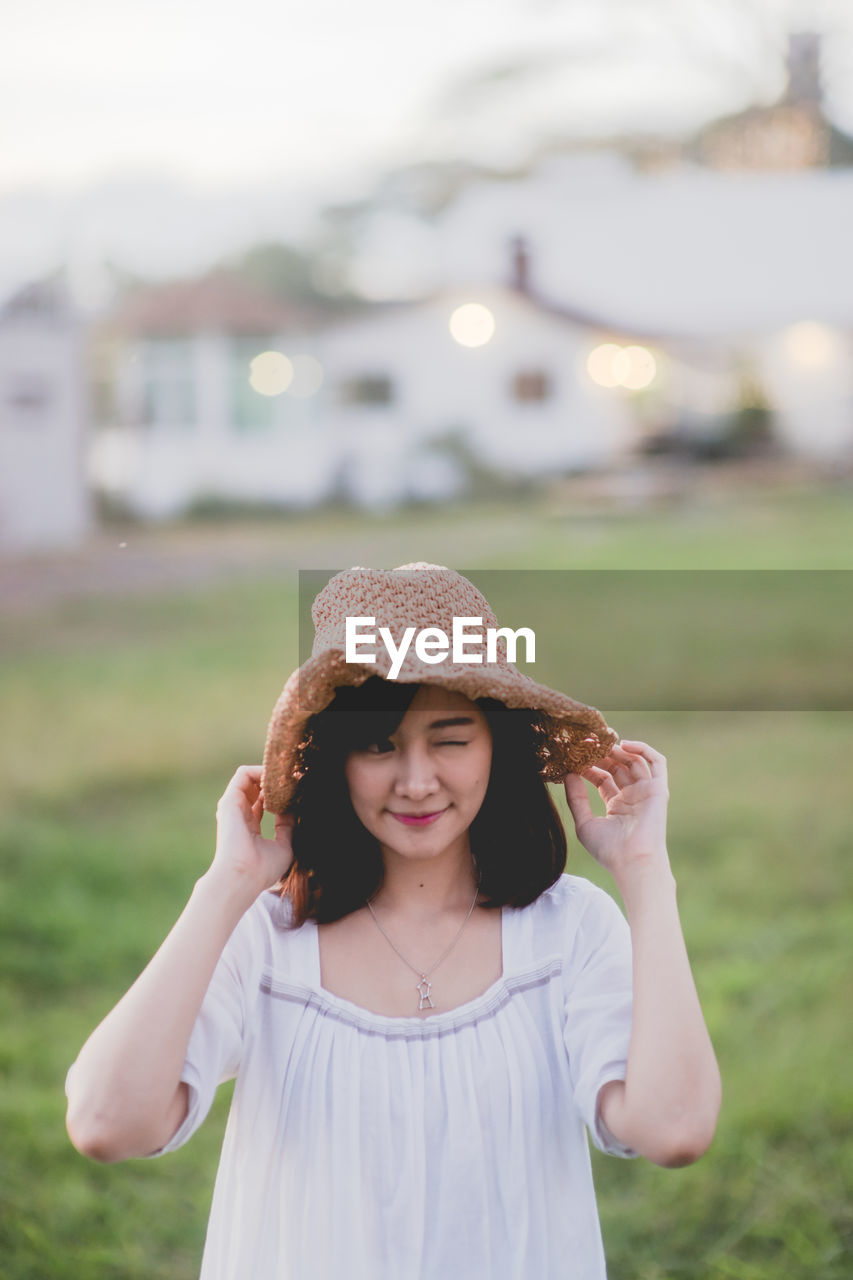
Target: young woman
[{"x": 423, "y": 1012}]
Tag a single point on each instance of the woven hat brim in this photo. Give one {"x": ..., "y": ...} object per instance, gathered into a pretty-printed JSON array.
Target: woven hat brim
[{"x": 577, "y": 734}]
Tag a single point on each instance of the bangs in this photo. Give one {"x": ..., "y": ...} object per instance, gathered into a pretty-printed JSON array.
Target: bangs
[{"x": 363, "y": 714}]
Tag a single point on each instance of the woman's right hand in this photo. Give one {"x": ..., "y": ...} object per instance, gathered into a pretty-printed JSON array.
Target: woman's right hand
[
  {"x": 241, "y": 850},
  {"x": 126, "y": 1096}
]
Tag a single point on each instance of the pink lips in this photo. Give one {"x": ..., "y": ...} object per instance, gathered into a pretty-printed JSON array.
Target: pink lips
[{"x": 416, "y": 820}]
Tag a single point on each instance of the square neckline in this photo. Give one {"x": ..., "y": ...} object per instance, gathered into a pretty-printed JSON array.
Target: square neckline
[{"x": 396, "y": 1019}]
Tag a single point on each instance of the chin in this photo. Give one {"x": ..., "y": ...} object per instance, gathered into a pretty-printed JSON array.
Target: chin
[{"x": 422, "y": 845}]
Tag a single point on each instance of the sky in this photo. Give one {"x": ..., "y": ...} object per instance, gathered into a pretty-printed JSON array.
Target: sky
[{"x": 164, "y": 132}]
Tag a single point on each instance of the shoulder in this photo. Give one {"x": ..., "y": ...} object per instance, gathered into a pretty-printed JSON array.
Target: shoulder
[
  {"x": 262, "y": 929},
  {"x": 574, "y": 897},
  {"x": 580, "y": 920},
  {"x": 275, "y": 910},
  {"x": 566, "y": 922},
  {"x": 597, "y": 941}
]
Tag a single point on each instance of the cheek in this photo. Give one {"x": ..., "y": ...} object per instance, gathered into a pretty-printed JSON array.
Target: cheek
[
  {"x": 363, "y": 785},
  {"x": 481, "y": 767}
]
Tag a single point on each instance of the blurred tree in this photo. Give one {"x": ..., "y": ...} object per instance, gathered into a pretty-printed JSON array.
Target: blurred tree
[
  {"x": 481, "y": 480},
  {"x": 750, "y": 431},
  {"x": 746, "y": 51},
  {"x": 741, "y": 44},
  {"x": 293, "y": 275}
]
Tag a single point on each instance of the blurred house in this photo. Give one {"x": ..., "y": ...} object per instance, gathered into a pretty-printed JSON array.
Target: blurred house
[
  {"x": 177, "y": 415},
  {"x": 44, "y": 491},
  {"x": 753, "y": 219},
  {"x": 724, "y": 253},
  {"x": 217, "y": 391},
  {"x": 741, "y": 284},
  {"x": 424, "y": 394},
  {"x": 686, "y": 304}
]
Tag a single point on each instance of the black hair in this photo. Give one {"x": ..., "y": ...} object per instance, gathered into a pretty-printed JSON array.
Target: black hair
[{"x": 517, "y": 838}]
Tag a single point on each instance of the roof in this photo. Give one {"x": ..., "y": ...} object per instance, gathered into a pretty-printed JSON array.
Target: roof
[
  {"x": 219, "y": 301},
  {"x": 690, "y": 252}
]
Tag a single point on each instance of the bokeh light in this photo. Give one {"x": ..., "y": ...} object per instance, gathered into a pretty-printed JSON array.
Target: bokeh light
[
  {"x": 472, "y": 324},
  {"x": 641, "y": 368},
  {"x": 271, "y": 373},
  {"x": 610, "y": 365},
  {"x": 811, "y": 345},
  {"x": 602, "y": 364}
]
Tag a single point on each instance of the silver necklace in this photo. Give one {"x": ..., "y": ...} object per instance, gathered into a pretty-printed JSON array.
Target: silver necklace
[{"x": 424, "y": 987}]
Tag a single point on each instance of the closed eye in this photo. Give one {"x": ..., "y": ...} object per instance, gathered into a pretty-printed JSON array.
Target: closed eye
[{"x": 382, "y": 748}]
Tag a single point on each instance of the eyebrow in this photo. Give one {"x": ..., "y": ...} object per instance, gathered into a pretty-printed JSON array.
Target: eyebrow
[{"x": 448, "y": 724}]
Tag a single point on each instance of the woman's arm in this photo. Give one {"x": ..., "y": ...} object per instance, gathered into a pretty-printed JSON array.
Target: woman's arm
[
  {"x": 125, "y": 1096},
  {"x": 666, "y": 1108}
]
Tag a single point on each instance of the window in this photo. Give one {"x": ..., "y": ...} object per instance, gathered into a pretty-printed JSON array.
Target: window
[
  {"x": 370, "y": 388},
  {"x": 168, "y": 389},
  {"x": 250, "y": 409},
  {"x": 531, "y": 386}
]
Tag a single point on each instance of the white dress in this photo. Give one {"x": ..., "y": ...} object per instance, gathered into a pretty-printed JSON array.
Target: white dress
[{"x": 366, "y": 1147}]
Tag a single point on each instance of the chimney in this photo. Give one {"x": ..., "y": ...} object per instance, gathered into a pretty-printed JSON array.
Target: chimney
[
  {"x": 520, "y": 278},
  {"x": 804, "y": 81}
]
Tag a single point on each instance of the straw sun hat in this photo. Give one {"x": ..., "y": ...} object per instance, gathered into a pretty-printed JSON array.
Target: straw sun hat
[{"x": 574, "y": 735}]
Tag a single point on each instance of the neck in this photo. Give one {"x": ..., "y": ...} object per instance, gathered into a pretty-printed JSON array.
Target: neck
[{"x": 427, "y": 887}]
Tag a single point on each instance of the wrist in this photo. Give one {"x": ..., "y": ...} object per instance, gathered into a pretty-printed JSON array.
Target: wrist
[
  {"x": 649, "y": 874},
  {"x": 222, "y": 889}
]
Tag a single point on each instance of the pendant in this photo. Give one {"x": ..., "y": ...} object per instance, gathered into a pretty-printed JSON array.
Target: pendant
[{"x": 423, "y": 989}]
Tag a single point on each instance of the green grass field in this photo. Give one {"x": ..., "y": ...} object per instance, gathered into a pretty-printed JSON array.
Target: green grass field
[{"x": 124, "y": 718}]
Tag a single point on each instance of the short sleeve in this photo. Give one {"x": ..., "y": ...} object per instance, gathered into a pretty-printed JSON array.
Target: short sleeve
[
  {"x": 598, "y": 987},
  {"x": 216, "y": 1042}
]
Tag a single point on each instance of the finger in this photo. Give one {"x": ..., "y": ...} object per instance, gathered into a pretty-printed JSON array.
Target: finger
[
  {"x": 244, "y": 771},
  {"x": 284, "y": 824},
  {"x": 632, "y": 760},
  {"x": 577, "y": 798},
  {"x": 623, "y": 778},
  {"x": 241, "y": 793},
  {"x": 627, "y": 772},
  {"x": 602, "y": 780},
  {"x": 245, "y": 778},
  {"x": 618, "y": 774},
  {"x": 654, "y": 759}
]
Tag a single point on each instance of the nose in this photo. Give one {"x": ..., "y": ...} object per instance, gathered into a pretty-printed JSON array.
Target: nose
[{"x": 416, "y": 776}]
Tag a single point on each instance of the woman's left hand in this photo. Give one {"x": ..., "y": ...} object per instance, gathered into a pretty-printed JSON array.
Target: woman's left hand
[{"x": 632, "y": 782}]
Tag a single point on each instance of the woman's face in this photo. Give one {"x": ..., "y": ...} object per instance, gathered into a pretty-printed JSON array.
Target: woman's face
[{"x": 419, "y": 791}]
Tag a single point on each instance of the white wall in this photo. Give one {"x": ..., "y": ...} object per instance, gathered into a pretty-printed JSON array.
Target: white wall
[
  {"x": 442, "y": 386},
  {"x": 382, "y": 452},
  {"x": 44, "y": 496},
  {"x": 808, "y": 370}
]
